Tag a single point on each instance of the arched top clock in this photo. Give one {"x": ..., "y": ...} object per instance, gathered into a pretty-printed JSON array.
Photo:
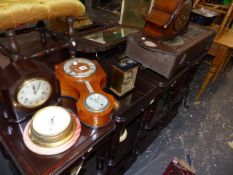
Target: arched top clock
[{"x": 168, "y": 18}]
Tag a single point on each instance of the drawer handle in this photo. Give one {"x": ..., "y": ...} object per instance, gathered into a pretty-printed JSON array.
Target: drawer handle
[
  {"x": 123, "y": 136},
  {"x": 76, "y": 170}
]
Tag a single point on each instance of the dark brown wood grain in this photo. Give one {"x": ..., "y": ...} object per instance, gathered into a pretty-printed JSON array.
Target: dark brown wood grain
[{"x": 161, "y": 21}]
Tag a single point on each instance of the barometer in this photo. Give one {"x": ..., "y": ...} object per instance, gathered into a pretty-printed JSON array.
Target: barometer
[{"x": 84, "y": 80}]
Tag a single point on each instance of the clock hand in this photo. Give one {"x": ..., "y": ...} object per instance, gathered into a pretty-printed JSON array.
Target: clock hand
[
  {"x": 34, "y": 89},
  {"x": 51, "y": 121},
  {"x": 38, "y": 88}
]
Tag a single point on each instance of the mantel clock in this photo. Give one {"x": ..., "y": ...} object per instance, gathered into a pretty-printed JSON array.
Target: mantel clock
[
  {"x": 168, "y": 18},
  {"x": 27, "y": 86}
]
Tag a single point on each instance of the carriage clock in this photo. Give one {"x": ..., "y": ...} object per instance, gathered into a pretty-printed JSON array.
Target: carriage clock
[
  {"x": 168, "y": 18},
  {"x": 83, "y": 80},
  {"x": 27, "y": 86},
  {"x": 124, "y": 74}
]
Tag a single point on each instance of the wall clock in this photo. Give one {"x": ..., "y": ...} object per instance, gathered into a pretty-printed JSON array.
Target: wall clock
[
  {"x": 31, "y": 86},
  {"x": 168, "y": 18},
  {"x": 84, "y": 80}
]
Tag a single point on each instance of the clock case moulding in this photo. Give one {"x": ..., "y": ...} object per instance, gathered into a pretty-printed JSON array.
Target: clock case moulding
[{"x": 12, "y": 77}]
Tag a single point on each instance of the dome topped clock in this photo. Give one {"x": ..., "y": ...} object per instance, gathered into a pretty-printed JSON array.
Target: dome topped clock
[
  {"x": 27, "y": 86},
  {"x": 168, "y": 18}
]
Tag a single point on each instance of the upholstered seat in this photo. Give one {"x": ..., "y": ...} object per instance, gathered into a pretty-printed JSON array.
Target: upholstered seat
[{"x": 17, "y": 12}]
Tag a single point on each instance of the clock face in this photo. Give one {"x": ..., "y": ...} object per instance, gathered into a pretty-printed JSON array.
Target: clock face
[
  {"x": 183, "y": 15},
  {"x": 96, "y": 102},
  {"x": 79, "y": 67},
  {"x": 128, "y": 79},
  {"x": 51, "y": 121},
  {"x": 33, "y": 92}
]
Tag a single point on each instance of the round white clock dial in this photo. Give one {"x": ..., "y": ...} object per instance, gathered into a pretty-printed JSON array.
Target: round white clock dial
[
  {"x": 51, "y": 121},
  {"x": 34, "y": 92},
  {"x": 96, "y": 102},
  {"x": 79, "y": 67}
]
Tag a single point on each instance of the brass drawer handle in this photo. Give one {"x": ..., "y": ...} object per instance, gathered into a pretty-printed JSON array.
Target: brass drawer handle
[
  {"x": 123, "y": 136},
  {"x": 76, "y": 170}
]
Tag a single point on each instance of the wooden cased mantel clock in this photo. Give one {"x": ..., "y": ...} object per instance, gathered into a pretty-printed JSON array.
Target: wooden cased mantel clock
[
  {"x": 27, "y": 86},
  {"x": 84, "y": 80},
  {"x": 168, "y": 18}
]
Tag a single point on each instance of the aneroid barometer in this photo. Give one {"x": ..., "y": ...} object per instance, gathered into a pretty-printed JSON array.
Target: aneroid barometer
[
  {"x": 27, "y": 86},
  {"x": 52, "y": 129},
  {"x": 83, "y": 80}
]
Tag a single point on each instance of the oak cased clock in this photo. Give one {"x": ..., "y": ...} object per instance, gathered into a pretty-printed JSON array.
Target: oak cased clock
[
  {"x": 168, "y": 18},
  {"x": 27, "y": 86}
]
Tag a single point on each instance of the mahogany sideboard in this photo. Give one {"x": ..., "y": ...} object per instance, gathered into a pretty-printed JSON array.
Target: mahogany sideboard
[{"x": 139, "y": 112}]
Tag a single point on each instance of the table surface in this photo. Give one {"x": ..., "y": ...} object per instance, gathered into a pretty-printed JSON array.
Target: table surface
[{"x": 130, "y": 105}]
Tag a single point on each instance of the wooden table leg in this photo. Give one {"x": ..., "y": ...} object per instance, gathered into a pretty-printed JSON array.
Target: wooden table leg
[
  {"x": 212, "y": 70},
  {"x": 43, "y": 39}
]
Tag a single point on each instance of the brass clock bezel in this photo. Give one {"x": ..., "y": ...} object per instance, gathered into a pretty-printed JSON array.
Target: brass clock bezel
[
  {"x": 96, "y": 111},
  {"x": 28, "y": 81},
  {"x": 53, "y": 140}
]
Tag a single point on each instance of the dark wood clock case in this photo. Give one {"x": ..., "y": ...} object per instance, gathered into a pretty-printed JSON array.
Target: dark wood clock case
[
  {"x": 168, "y": 18},
  {"x": 12, "y": 77},
  {"x": 167, "y": 57}
]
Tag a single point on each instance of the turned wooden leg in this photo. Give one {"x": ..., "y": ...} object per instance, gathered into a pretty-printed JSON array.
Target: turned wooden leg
[
  {"x": 100, "y": 160},
  {"x": 42, "y": 32},
  {"x": 70, "y": 32},
  {"x": 13, "y": 45},
  {"x": 212, "y": 71}
]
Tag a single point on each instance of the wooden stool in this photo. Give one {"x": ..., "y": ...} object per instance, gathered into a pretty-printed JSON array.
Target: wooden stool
[
  {"x": 224, "y": 39},
  {"x": 16, "y": 13}
]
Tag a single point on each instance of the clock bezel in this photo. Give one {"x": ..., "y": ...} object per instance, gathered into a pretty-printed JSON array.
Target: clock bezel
[
  {"x": 96, "y": 111},
  {"x": 26, "y": 81},
  {"x": 86, "y": 61},
  {"x": 50, "y": 141}
]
